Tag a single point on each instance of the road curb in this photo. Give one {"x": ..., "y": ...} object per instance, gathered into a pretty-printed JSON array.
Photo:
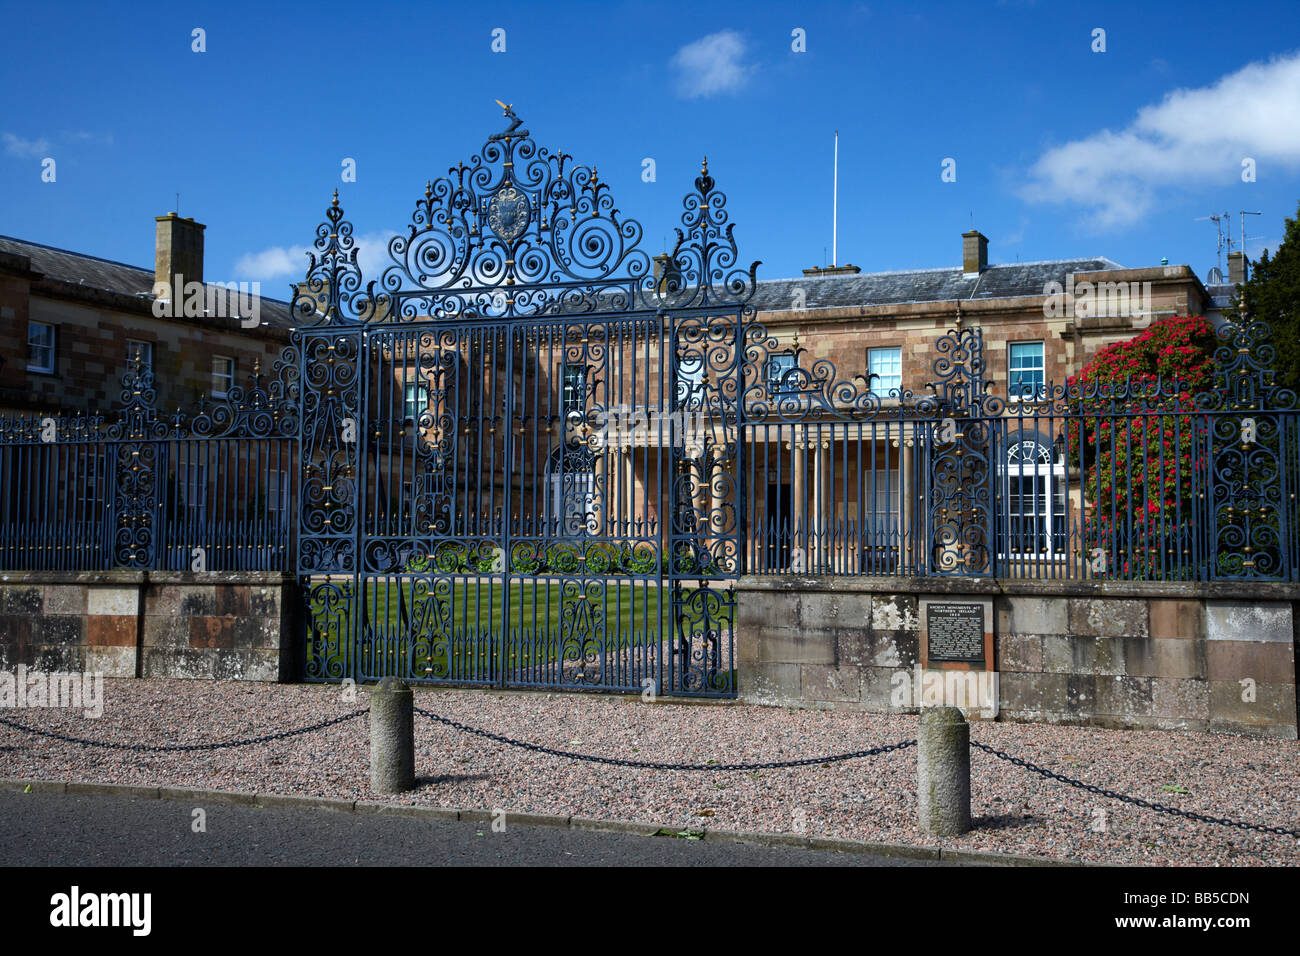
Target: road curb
[{"x": 378, "y": 807}]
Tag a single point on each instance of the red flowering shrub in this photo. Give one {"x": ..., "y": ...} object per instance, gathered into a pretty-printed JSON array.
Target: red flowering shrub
[{"x": 1139, "y": 448}]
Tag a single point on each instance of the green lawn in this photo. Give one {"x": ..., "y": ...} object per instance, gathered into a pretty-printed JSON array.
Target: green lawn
[
  {"x": 533, "y": 605},
  {"x": 451, "y": 631}
]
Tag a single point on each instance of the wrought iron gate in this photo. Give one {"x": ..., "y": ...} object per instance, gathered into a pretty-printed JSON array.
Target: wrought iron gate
[{"x": 518, "y": 444}]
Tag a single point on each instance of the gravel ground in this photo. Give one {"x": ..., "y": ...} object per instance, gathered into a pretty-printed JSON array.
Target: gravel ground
[{"x": 1246, "y": 778}]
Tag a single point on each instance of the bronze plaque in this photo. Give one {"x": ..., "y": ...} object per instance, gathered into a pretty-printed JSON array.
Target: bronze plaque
[{"x": 954, "y": 632}]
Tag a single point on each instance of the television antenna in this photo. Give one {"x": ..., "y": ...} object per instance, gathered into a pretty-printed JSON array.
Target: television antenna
[
  {"x": 1219, "y": 224},
  {"x": 1244, "y": 214}
]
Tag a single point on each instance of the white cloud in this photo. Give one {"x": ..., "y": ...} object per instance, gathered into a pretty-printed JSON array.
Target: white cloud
[
  {"x": 289, "y": 263},
  {"x": 1192, "y": 136},
  {"x": 711, "y": 65},
  {"x": 17, "y": 146}
]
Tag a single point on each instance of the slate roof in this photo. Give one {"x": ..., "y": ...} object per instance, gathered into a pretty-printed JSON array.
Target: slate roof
[
  {"x": 1221, "y": 295},
  {"x": 922, "y": 285},
  {"x": 75, "y": 268},
  {"x": 827, "y": 291}
]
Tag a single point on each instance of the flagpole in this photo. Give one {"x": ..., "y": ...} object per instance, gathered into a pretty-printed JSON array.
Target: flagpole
[{"x": 835, "y": 206}]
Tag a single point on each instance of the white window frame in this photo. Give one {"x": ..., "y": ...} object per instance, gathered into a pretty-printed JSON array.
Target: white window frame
[
  {"x": 1040, "y": 390},
  {"x": 569, "y": 402},
  {"x": 778, "y": 365},
  {"x": 884, "y": 384},
  {"x": 228, "y": 377},
  {"x": 277, "y": 492},
  {"x": 690, "y": 376},
  {"x": 884, "y": 506},
  {"x": 90, "y": 494},
  {"x": 1045, "y": 509},
  {"x": 31, "y": 327},
  {"x": 146, "y": 350},
  {"x": 192, "y": 477},
  {"x": 572, "y": 505},
  {"x": 415, "y": 399}
]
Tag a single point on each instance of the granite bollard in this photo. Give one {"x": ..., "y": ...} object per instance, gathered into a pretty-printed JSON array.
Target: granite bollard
[
  {"x": 392, "y": 737},
  {"x": 943, "y": 772}
]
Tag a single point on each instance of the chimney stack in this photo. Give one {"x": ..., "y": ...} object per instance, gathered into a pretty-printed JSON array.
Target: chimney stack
[
  {"x": 974, "y": 252},
  {"x": 178, "y": 251},
  {"x": 666, "y": 270},
  {"x": 1236, "y": 268}
]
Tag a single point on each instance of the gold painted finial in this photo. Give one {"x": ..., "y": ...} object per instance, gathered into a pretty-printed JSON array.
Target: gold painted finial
[
  {"x": 704, "y": 167},
  {"x": 336, "y": 197}
]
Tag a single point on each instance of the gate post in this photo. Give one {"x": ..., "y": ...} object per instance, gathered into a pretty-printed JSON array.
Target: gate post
[
  {"x": 392, "y": 737},
  {"x": 943, "y": 772}
]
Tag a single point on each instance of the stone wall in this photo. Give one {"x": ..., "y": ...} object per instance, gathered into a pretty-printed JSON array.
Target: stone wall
[
  {"x": 219, "y": 625},
  {"x": 1213, "y": 657}
]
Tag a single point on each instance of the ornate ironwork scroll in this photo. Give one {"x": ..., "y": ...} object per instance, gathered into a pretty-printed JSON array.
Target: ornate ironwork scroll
[
  {"x": 961, "y": 439},
  {"x": 136, "y": 433},
  {"x": 485, "y": 529},
  {"x": 1252, "y": 457}
]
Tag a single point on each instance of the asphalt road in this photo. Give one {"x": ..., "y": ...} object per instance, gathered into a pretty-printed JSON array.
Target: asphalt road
[{"x": 43, "y": 829}]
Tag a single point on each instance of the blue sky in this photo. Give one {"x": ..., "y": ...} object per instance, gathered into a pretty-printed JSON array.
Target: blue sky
[{"x": 1060, "y": 151}]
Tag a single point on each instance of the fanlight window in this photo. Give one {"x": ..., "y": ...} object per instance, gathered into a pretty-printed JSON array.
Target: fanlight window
[{"x": 1033, "y": 482}]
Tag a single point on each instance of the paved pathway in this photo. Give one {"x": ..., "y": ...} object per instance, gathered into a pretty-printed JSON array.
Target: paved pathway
[{"x": 42, "y": 829}]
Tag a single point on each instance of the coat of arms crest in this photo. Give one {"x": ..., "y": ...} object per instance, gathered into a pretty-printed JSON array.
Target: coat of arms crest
[{"x": 508, "y": 213}]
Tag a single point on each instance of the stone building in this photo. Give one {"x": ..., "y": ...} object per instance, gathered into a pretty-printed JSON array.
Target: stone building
[
  {"x": 71, "y": 322},
  {"x": 831, "y": 497}
]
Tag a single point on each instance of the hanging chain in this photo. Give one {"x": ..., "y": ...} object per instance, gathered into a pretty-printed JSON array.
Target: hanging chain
[
  {"x": 653, "y": 765},
  {"x": 1136, "y": 801},
  {"x": 175, "y": 748}
]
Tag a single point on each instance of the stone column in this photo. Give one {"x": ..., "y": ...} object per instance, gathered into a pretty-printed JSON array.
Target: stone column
[
  {"x": 943, "y": 772},
  {"x": 906, "y": 519},
  {"x": 798, "y": 513},
  {"x": 392, "y": 737},
  {"x": 626, "y": 475}
]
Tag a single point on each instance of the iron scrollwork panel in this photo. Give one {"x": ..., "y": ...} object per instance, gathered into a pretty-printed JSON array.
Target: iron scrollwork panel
[
  {"x": 137, "y": 439},
  {"x": 332, "y": 429},
  {"x": 963, "y": 435},
  {"x": 702, "y": 433},
  {"x": 331, "y": 641},
  {"x": 1252, "y": 511},
  {"x": 704, "y": 617},
  {"x": 519, "y": 252}
]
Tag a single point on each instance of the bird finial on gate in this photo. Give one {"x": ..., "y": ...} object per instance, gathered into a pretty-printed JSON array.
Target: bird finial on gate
[{"x": 515, "y": 123}]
